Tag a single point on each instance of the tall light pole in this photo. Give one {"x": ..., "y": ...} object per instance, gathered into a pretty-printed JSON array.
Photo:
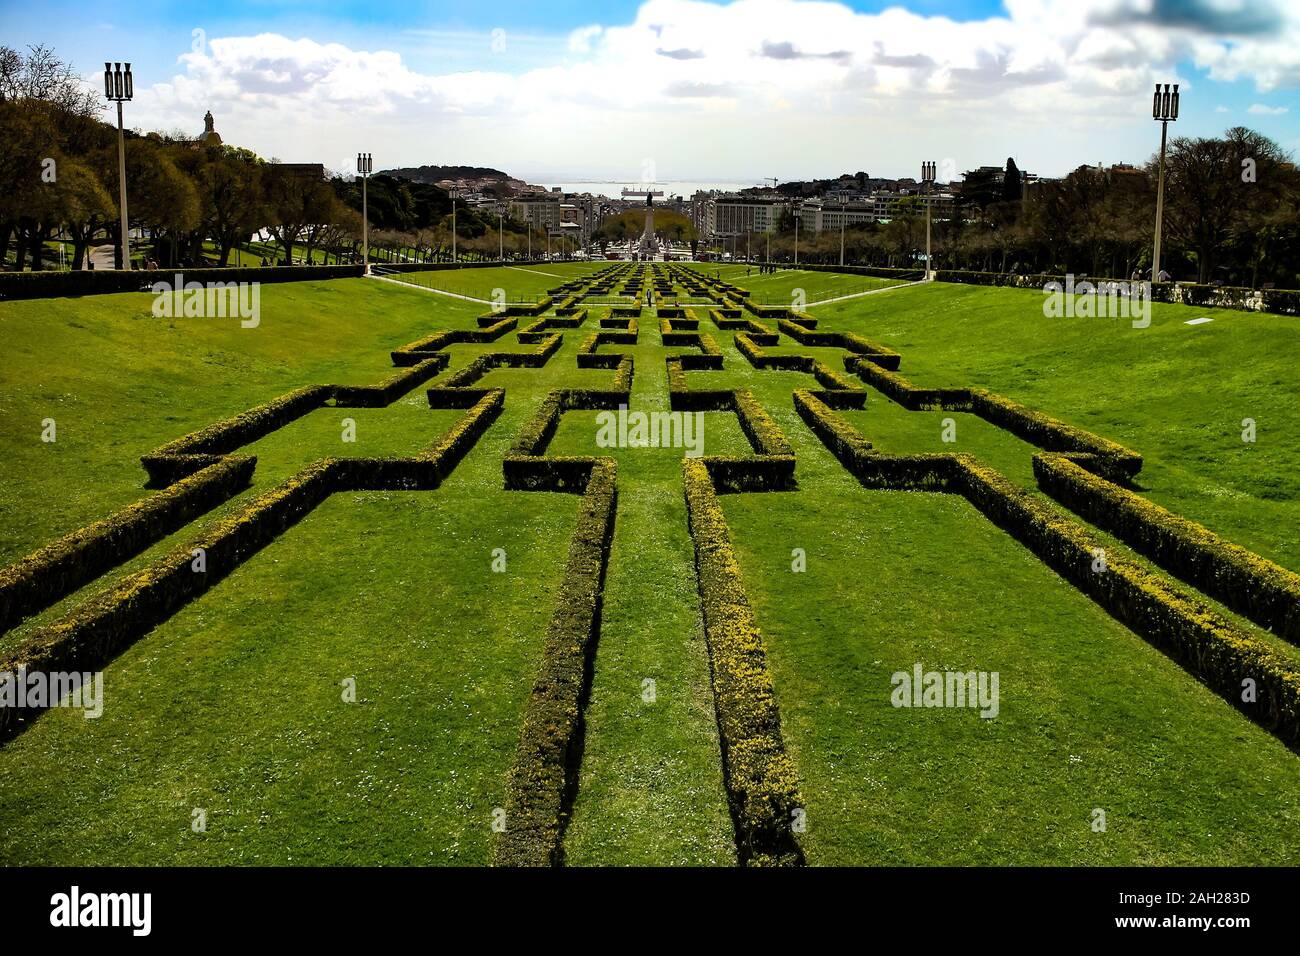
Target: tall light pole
[
  {"x": 844, "y": 214},
  {"x": 501, "y": 236},
  {"x": 798, "y": 216},
  {"x": 1164, "y": 109},
  {"x": 118, "y": 88},
  {"x": 455, "y": 194},
  {"x": 365, "y": 165},
  {"x": 927, "y": 178}
]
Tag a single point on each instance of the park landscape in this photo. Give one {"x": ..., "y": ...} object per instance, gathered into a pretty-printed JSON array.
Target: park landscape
[{"x": 438, "y": 620}]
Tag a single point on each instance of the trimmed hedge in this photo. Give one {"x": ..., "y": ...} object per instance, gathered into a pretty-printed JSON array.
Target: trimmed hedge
[
  {"x": 850, "y": 341},
  {"x": 51, "y": 284},
  {"x": 391, "y": 388},
  {"x": 106, "y": 624},
  {"x": 900, "y": 390},
  {"x": 183, "y": 456},
  {"x": 110, "y": 621},
  {"x": 58, "y": 569},
  {"x": 488, "y": 319},
  {"x": 1187, "y": 630},
  {"x": 1114, "y": 460},
  {"x": 420, "y": 349},
  {"x": 545, "y": 775},
  {"x": 1251, "y": 585},
  {"x": 1205, "y": 644},
  {"x": 762, "y": 786}
]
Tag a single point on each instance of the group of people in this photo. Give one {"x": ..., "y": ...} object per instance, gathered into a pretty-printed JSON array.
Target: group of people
[
  {"x": 762, "y": 268},
  {"x": 1141, "y": 274}
]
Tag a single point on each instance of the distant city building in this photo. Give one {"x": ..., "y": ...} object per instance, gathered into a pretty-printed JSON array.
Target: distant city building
[
  {"x": 538, "y": 210},
  {"x": 731, "y": 215},
  {"x": 307, "y": 171}
]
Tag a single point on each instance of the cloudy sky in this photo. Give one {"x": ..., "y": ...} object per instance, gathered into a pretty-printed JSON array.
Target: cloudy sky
[{"x": 685, "y": 90}]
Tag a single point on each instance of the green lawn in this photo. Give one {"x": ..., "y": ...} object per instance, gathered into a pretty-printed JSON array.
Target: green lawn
[
  {"x": 779, "y": 288},
  {"x": 234, "y": 705},
  {"x": 1176, "y": 393}
]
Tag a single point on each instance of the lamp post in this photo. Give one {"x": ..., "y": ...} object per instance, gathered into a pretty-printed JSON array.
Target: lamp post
[
  {"x": 844, "y": 214},
  {"x": 501, "y": 236},
  {"x": 118, "y": 88},
  {"x": 365, "y": 165},
  {"x": 1164, "y": 110},
  {"x": 455, "y": 194},
  {"x": 927, "y": 178},
  {"x": 797, "y": 216}
]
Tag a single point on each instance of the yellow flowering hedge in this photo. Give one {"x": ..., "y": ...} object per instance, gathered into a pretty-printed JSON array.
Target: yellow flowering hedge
[
  {"x": 904, "y": 392},
  {"x": 102, "y": 627},
  {"x": 762, "y": 787},
  {"x": 56, "y": 570},
  {"x": 1189, "y": 631},
  {"x": 391, "y": 388},
  {"x": 544, "y": 777},
  {"x": 1251, "y": 585},
  {"x": 1117, "y": 462},
  {"x": 185, "y": 455}
]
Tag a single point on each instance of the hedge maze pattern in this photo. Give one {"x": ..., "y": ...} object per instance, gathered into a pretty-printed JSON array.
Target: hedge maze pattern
[{"x": 1085, "y": 473}]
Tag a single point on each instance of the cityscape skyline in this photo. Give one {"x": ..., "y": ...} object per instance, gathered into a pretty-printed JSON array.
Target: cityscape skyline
[{"x": 698, "y": 91}]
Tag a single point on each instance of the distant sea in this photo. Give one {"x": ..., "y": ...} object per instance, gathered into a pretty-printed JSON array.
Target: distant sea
[{"x": 614, "y": 190}]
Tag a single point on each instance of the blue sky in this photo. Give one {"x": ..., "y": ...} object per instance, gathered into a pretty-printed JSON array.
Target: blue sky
[{"x": 691, "y": 90}]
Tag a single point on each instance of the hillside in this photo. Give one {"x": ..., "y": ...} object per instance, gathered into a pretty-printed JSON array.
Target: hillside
[{"x": 433, "y": 174}]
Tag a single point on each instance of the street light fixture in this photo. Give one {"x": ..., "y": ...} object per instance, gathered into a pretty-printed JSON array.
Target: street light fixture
[
  {"x": 118, "y": 88},
  {"x": 455, "y": 194},
  {"x": 1164, "y": 110},
  {"x": 844, "y": 214},
  {"x": 927, "y": 178},
  {"x": 365, "y": 166},
  {"x": 797, "y": 216}
]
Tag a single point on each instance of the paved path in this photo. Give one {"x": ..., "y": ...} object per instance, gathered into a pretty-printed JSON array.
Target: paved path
[{"x": 858, "y": 295}]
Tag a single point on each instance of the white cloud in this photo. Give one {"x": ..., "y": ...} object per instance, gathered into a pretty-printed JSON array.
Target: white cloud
[
  {"x": 1259, "y": 109},
  {"x": 754, "y": 83},
  {"x": 580, "y": 39}
]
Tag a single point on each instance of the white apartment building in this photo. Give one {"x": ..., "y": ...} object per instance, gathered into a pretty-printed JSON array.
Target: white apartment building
[
  {"x": 741, "y": 215},
  {"x": 539, "y": 211}
]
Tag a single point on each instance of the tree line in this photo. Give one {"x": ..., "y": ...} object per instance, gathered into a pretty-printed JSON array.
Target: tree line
[
  {"x": 1231, "y": 216},
  {"x": 59, "y": 179}
]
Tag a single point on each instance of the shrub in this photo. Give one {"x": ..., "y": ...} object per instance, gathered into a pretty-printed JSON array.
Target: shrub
[
  {"x": 762, "y": 787},
  {"x": 546, "y": 763},
  {"x": 1251, "y": 585},
  {"x": 58, "y": 569}
]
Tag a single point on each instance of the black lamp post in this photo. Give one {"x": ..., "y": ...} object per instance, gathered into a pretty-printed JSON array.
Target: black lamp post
[
  {"x": 118, "y": 88},
  {"x": 1164, "y": 110}
]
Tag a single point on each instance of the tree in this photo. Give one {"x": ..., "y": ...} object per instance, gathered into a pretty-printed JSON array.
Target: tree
[
  {"x": 162, "y": 198},
  {"x": 230, "y": 197},
  {"x": 293, "y": 203},
  {"x": 1207, "y": 197}
]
